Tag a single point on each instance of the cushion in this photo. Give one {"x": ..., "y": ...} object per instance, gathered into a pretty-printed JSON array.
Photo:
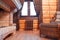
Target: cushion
[{"x": 48, "y": 25}]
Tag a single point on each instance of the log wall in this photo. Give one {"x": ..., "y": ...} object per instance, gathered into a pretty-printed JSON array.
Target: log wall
[
  {"x": 48, "y": 9},
  {"x": 6, "y": 19}
]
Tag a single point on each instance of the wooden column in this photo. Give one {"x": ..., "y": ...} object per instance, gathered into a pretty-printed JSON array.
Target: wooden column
[{"x": 11, "y": 19}]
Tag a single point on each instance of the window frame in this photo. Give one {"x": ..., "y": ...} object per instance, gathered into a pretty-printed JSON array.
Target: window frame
[{"x": 28, "y": 14}]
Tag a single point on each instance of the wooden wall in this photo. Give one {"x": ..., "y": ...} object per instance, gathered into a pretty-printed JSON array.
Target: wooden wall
[
  {"x": 48, "y": 9},
  {"x": 28, "y": 24},
  {"x": 6, "y": 19},
  {"x": 38, "y": 7},
  {"x": 58, "y": 4},
  {"x": 45, "y": 8}
]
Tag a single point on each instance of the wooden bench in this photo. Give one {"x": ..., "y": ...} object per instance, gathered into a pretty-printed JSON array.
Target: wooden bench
[
  {"x": 50, "y": 30},
  {"x": 6, "y": 31}
]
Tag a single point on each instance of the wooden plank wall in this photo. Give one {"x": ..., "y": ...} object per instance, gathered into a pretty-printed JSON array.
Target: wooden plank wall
[
  {"x": 58, "y": 4},
  {"x": 6, "y": 18},
  {"x": 38, "y": 7},
  {"x": 48, "y": 9},
  {"x": 22, "y": 24}
]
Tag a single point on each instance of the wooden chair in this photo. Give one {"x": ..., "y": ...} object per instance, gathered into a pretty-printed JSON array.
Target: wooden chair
[{"x": 52, "y": 29}]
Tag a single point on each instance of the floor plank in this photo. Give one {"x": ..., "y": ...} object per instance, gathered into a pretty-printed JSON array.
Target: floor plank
[{"x": 26, "y": 35}]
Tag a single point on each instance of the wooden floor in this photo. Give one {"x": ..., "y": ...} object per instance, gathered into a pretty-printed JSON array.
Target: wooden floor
[{"x": 26, "y": 35}]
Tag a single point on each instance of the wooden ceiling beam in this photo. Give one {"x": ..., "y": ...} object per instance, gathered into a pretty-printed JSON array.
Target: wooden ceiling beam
[
  {"x": 4, "y": 6},
  {"x": 10, "y": 3}
]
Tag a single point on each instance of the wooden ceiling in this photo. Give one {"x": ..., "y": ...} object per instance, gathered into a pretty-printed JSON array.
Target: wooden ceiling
[
  {"x": 12, "y": 5},
  {"x": 4, "y": 6}
]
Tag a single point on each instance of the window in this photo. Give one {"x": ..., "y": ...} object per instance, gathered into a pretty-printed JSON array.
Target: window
[
  {"x": 32, "y": 9},
  {"x": 25, "y": 8},
  {"x": 24, "y": 11}
]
